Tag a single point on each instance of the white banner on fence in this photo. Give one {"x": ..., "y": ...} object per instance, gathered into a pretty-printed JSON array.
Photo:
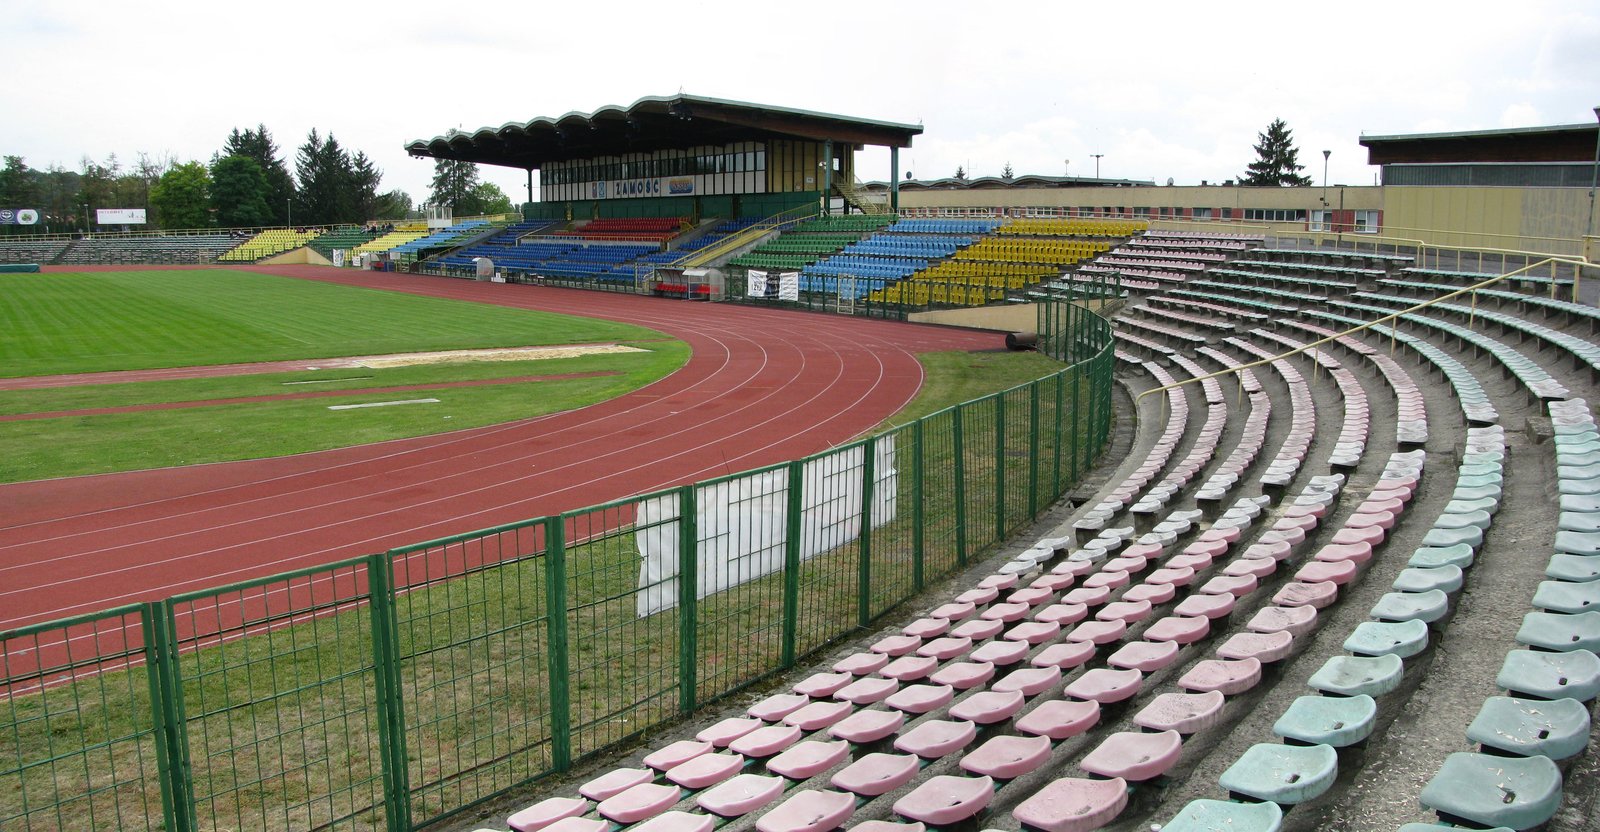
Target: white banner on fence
[
  {"x": 119, "y": 216},
  {"x": 742, "y": 523},
  {"x": 789, "y": 286},
  {"x": 338, "y": 257},
  {"x": 757, "y": 284}
]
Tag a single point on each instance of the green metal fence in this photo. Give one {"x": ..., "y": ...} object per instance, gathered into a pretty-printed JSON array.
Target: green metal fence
[{"x": 393, "y": 690}]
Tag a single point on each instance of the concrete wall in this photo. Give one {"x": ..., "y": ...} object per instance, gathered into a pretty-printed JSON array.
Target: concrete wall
[{"x": 1010, "y": 317}]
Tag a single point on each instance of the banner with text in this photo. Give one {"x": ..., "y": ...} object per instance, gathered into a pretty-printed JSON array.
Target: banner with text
[
  {"x": 119, "y": 216},
  {"x": 19, "y": 216}
]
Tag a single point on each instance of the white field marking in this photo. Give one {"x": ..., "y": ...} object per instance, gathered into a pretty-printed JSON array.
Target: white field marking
[
  {"x": 328, "y": 380},
  {"x": 381, "y": 404}
]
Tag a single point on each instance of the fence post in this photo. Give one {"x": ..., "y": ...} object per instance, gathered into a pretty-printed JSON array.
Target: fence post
[
  {"x": 791, "y": 563},
  {"x": 918, "y": 511},
  {"x": 999, "y": 467},
  {"x": 555, "y": 610},
  {"x": 1033, "y": 448},
  {"x": 868, "y": 487},
  {"x": 167, "y": 717},
  {"x": 1077, "y": 446},
  {"x": 391, "y": 710},
  {"x": 1055, "y": 467},
  {"x": 688, "y": 599},
  {"x": 961, "y": 483}
]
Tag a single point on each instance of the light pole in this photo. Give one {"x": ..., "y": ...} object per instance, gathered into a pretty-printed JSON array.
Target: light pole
[
  {"x": 1595, "y": 177},
  {"x": 1097, "y": 163},
  {"x": 1325, "y": 155},
  {"x": 86, "y": 219},
  {"x": 288, "y": 208}
]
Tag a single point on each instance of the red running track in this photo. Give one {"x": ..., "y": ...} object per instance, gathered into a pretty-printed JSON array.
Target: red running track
[{"x": 762, "y": 386}]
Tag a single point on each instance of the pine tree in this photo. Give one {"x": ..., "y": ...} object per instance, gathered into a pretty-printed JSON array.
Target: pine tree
[
  {"x": 239, "y": 193},
  {"x": 961, "y": 172},
  {"x": 1006, "y": 172},
  {"x": 1277, "y": 159},
  {"x": 454, "y": 183},
  {"x": 257, "y": 144}
]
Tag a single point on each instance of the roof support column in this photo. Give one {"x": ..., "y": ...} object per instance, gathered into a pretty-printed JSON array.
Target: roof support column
[
  {"x": 530, "y": 184},
  {"x": 827, "y": 177},
  {"x": 894, "y": 180}
]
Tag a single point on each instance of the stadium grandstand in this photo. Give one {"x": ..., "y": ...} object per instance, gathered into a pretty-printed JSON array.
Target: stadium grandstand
[{"x": 1305, "y": 535}]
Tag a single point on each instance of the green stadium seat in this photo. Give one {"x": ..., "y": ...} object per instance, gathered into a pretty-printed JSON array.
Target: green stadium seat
[
  {"x": 1356, "y": 675},
  {"x": 1459, "y": 555},
  {"x": 1283, "y": 774},
  {"x": 1559, "y": 631},
  {"x": 1428, "y": 607},
  {"x": 1544, "y": 675},
  {"x": 1377, "y": 638},
  {"x": 1424, "y": 579},
  {"x": 1567, "y": 597},
  {"x": 1226, "y": 816},
  {"x": 1557, "y": 728},
  {"x": 1515, "y": 792},
  {"x": 1328, "y": 720}
]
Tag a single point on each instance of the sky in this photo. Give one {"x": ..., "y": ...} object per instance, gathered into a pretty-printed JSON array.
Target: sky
[{"x": 1161, "y": 90}]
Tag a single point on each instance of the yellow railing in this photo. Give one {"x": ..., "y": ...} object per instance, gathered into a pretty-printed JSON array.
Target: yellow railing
[
  {"x": 1578, "y": 267},
  {"x": 734, "y": 242}
]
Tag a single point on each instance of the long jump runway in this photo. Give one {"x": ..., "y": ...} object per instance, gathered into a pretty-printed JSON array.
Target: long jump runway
[{"x": 762, "y": 386}]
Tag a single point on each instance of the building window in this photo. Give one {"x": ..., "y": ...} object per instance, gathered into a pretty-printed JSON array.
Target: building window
[
  {"x": 1275, "y": 214},
  {"x": 1321, "y": 220},
  {"x": 1366, "y": 222},
  {"x": 1141, "y": 212},
  {"x": 1202, "y": 213},
  {"x": 1227, "y": 213}
]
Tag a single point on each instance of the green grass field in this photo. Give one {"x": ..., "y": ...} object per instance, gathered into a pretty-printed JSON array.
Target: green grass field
[
  {"x": 94, "y": 322},
  {"x": 74, "y": 323}
]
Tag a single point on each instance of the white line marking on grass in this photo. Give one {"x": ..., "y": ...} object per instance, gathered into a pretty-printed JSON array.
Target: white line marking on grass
[
  {"x": 381, "y": 404},
  {"x": 328, "y": 380}
]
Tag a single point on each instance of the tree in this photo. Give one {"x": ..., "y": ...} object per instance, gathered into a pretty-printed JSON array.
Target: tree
[
  {"x": 365, "y": 178},
  {"x": 961, "y": 172},
  {"x": 1276, "y": 161},
  {"x": 327, "y": 183},
  {"x": 1006, "y": 172},
  {"x": 182, "y": 197},
  {"x": 239, "y": 192},
  {"x": 487, "y": 198},
  {"x": 392, "y": 205},
  {"x": 257, "y": 144},
  {"x": 454, "y": 184}
]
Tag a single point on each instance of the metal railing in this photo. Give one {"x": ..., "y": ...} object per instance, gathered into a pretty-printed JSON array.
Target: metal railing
[
  {"x": 1578, "y": 265},
  {"x": 394, "y": 690}
]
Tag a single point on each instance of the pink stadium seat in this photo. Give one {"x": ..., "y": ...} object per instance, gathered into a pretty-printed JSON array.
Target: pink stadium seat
[
  {"x": 920, "y": 699},
  {"x": 867, "y": 690},
  {"x": 1192, "y": 561},
  {"x": 944, "y": 799},
  {"x": 1104, "y": 685},
  {"x": 963, "y": 675},
  {"x": 1106, "y": 578},
  {"x": 1150, "y": 593},
  {"x": 741, "y": 795},
  {"x": 706, "y": 770},
  {"x": 1183, "y": 629},
  {"x": 645, "y": 800},
  {"x": 1005, "y": 612},
  {"x": 1000, "y": 653},
  {"x": 765, "y": 742},
  {"x": 1031, "y": 596},
  {"x": 1266, "y": 647},
  {"x": 925, "y": 628},
  {"x": 977, "y": 629},
  {"x": 945, "y": 648},
  {"x": 1060, "y": 719},
  {"x": 677, "y": 822},
  {"x": 1031, "y": 681},
  {"x": 808, "y": 759},
  {"x": 1034, "y": 632},
  {"x": 896, "y": 645},
  {"x": 876, "y": 774},
  {"x": 1098, "y": 632},
  {"x": 936, "y": 738},
  {"x": 809, "y": 810},
  {"x": 1007, "y": 757},
  {"x": 777, "y": 706},
  {"x": 547, "y": 812},
  {"x": 978, "y": 596},
  {"x": 1223, "y": 675},
  {"x": 1144, "y": 656},
  {"x": 1127, "y": 612},
  {"x": 1073, "y": 804},
  {"x": 676, "y": 754},
  {"x": 1237, "y": 586},
  {"x": 1065, "y": 655},
  {"x": 1186, "y": 713},
  {"x": 1337, "y": 572},
  {"x": 818, "y": 715},
  {"x": 821, "y": 684},
  {"x": 615, "y": 782},
  {"x": 998, "y": 582},
  {"x": 1206, "y": 606},
  {"x": 1134, "y": 756},
  {"x": 1258, "y": 567},
  {"x": 579, "y": 825},
  {"x": 1300, "y": 593},
  {"x": 867, "y": 726},
  {"x": 1358, "y": 553},
  {"x": 909, "y": 668},
  {"x": 728, "y": 730},
  {"x": 988, "y": 707},
  {"x": 1296, "y": 621},
  {"x": 1062, "y": 614},
  {"x": 954, "y": 611}
]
